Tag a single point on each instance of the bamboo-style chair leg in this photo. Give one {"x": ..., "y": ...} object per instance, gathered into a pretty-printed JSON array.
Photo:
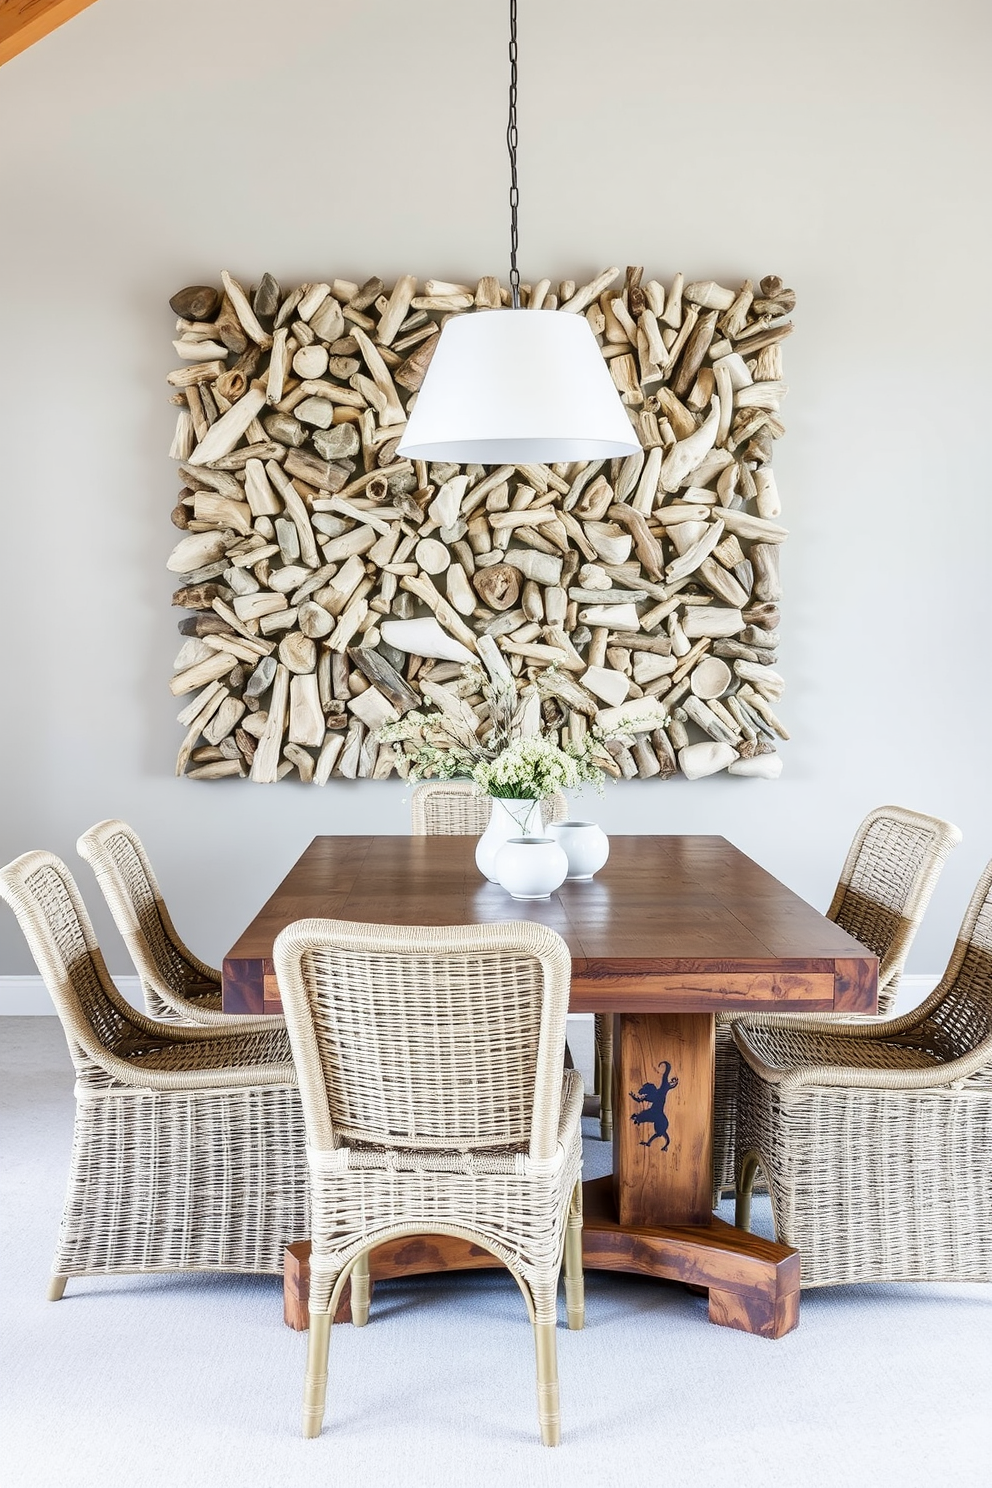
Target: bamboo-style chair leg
[
  {"x": 745, "y": 1188},
  {"x": 575, "y": 1286},
  {"x": 548, "y": 1410},
  {"x": 604, "y": 1074},
  {"x": 315, "y": 1383},
  {"x": 56, "y": 1287},
  {"x": 360, "y": 1291}
]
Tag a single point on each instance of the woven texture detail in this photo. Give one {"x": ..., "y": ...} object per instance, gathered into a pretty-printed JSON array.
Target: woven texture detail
[
  {"x": 468, "y": 1027},
  {"x": 188, "y": 1148},
  {"x": 891, "y": 871},
  {"x": 884, "y": 888},
  {"x": 176, "y": 985},
  {"x": 876, "y": 1139},
  {"x": 211, "y": 1181},
  {"x": 435, "y": 1099}
]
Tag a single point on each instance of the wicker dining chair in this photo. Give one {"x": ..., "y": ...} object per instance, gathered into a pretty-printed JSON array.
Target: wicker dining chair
[
  {"x": 889, "y": 874},
  {"x": 188, "y": 1149},
  {"x": 876, "y": 1138},
  {"x": 436, "y": 1102},
  {"x": 454, "y": 808},
  {"x": 176, "y": 985}
]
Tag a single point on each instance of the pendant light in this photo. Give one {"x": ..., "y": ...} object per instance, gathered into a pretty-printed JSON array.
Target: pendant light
[{"x": 517, "y": 386}]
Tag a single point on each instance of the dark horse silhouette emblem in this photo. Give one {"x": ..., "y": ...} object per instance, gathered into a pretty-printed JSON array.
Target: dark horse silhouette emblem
[{"x": 654, "y": 1098}]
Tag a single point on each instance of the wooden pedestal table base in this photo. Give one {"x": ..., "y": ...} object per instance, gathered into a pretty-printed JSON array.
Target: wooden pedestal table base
[
  {"x": 652, "y": 1216},
  {"x": 753, "y": 1284}
]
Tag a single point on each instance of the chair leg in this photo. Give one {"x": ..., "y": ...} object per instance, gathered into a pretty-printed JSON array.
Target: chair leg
[
  {"x": 360, "y": 1291},
  {"x": 575, "y": 1286},
  {"x": 56, "y": 1287},
  {"x": 745, "y": 1188},
  {"x": 315, "y": 1384},
  {"x": 548, "y": 1410},
  {"x": 604, "y": 1072}
]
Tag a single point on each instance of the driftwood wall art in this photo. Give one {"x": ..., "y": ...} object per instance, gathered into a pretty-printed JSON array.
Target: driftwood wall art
[{"x": 333, "y": 586}]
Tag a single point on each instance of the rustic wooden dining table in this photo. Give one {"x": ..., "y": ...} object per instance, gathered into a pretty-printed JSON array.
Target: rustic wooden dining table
[{"x": 670, "y": 932}]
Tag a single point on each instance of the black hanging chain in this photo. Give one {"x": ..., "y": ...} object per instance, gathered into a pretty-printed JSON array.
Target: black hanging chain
[{"x": 511, "y": 145}]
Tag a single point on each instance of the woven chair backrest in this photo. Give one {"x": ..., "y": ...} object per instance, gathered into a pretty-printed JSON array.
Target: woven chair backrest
[
  {"x": 453, "y": 808},
  {"x": 885, "y": 886},
  {"x": 448, "y": 808},
  {"x": 43, "y": 895},
  {"x": 444, "y": 1040},
  {"x": 959, "y": 1016},
  {"x": 125, "y": 875}
]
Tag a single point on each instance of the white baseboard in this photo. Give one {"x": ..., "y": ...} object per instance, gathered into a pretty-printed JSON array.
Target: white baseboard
[
  {"x": 913, "y": 990},
  {"x": 27, "y": 996}
]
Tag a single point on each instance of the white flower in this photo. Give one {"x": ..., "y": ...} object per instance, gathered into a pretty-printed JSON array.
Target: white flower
[{"x": 532, "y": 769}]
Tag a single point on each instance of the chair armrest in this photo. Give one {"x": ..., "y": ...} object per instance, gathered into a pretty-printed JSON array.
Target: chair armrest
[
  {"x": 572, "y": 1095},
  {"x": 231, "y": 1062},
  {"x": 937, "y": 1077},
  {"x": 853, "y": 1025},
  {"x": 795, "y": 1077},
  {"x": 216, "y": 1077},
  {"x": 247, "y": 1023},
  {"x": 569, "y": 1126}
]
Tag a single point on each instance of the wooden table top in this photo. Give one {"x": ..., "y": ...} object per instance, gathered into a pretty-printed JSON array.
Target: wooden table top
[{"x": 670, "y": 923}]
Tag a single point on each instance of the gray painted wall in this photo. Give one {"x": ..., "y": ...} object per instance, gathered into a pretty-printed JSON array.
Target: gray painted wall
[{"x": 843, "y": 146}]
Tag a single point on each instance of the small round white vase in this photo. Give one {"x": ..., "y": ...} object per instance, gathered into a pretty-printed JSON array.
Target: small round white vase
[
  {"x": 531, "y": 867},
  {"x": 585, "y": 845},
  {"x": 509, "y": 818}
]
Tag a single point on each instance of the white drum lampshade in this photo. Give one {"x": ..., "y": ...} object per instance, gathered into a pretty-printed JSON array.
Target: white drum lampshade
[{"x": 517, "y": 387}]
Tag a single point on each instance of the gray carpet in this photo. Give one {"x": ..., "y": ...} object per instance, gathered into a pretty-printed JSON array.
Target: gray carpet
[{"x": 195, "y": 1383}]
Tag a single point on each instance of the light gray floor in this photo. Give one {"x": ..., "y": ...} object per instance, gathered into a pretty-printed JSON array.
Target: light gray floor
[{"x": 183, "y": 1382}]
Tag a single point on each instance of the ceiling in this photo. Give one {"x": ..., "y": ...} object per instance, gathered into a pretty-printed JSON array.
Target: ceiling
[{"x": 23, "y": 22}]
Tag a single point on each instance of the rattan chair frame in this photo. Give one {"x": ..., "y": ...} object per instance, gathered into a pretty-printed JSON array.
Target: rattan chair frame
[
  {"x": 188, "y": 1148},
  {"x": 876, "y": 1138},
  {"x": 177, "y": 986},
  {"x": 435, "y": 1099},
  {"x": 889, "y": 874}
]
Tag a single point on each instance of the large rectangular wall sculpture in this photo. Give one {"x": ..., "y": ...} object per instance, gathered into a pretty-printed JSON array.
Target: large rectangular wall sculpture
[{"x": 638, "y": 598}]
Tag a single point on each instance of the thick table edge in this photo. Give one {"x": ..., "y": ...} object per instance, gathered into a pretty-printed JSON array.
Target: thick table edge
[{"x": 856, "y": 985}]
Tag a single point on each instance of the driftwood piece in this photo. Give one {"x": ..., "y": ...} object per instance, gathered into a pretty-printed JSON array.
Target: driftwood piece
[
  {"x": 764, "y": 558},
  {"x": 699, "y": 760},
  {"x": 198, "y": 302},
  {"x": 385, "y": 677},
  {"x": 243, "y": 310},
  {"x": 327, "y": 759},
  {"x": 222, "y": 436},
  {"x": 686, "y": 455},
  {"x": 265, "y": 764}
]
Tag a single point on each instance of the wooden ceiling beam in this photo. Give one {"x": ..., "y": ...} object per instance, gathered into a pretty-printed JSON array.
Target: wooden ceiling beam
[{"x": 23, "y": 22}]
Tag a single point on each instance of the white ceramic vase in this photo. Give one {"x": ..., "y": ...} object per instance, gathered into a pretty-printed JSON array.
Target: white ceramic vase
[
  {"x": 585, "y": 845},
  {"x": 509, "y": 818},
  {"x": 531, "y": 867}
]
